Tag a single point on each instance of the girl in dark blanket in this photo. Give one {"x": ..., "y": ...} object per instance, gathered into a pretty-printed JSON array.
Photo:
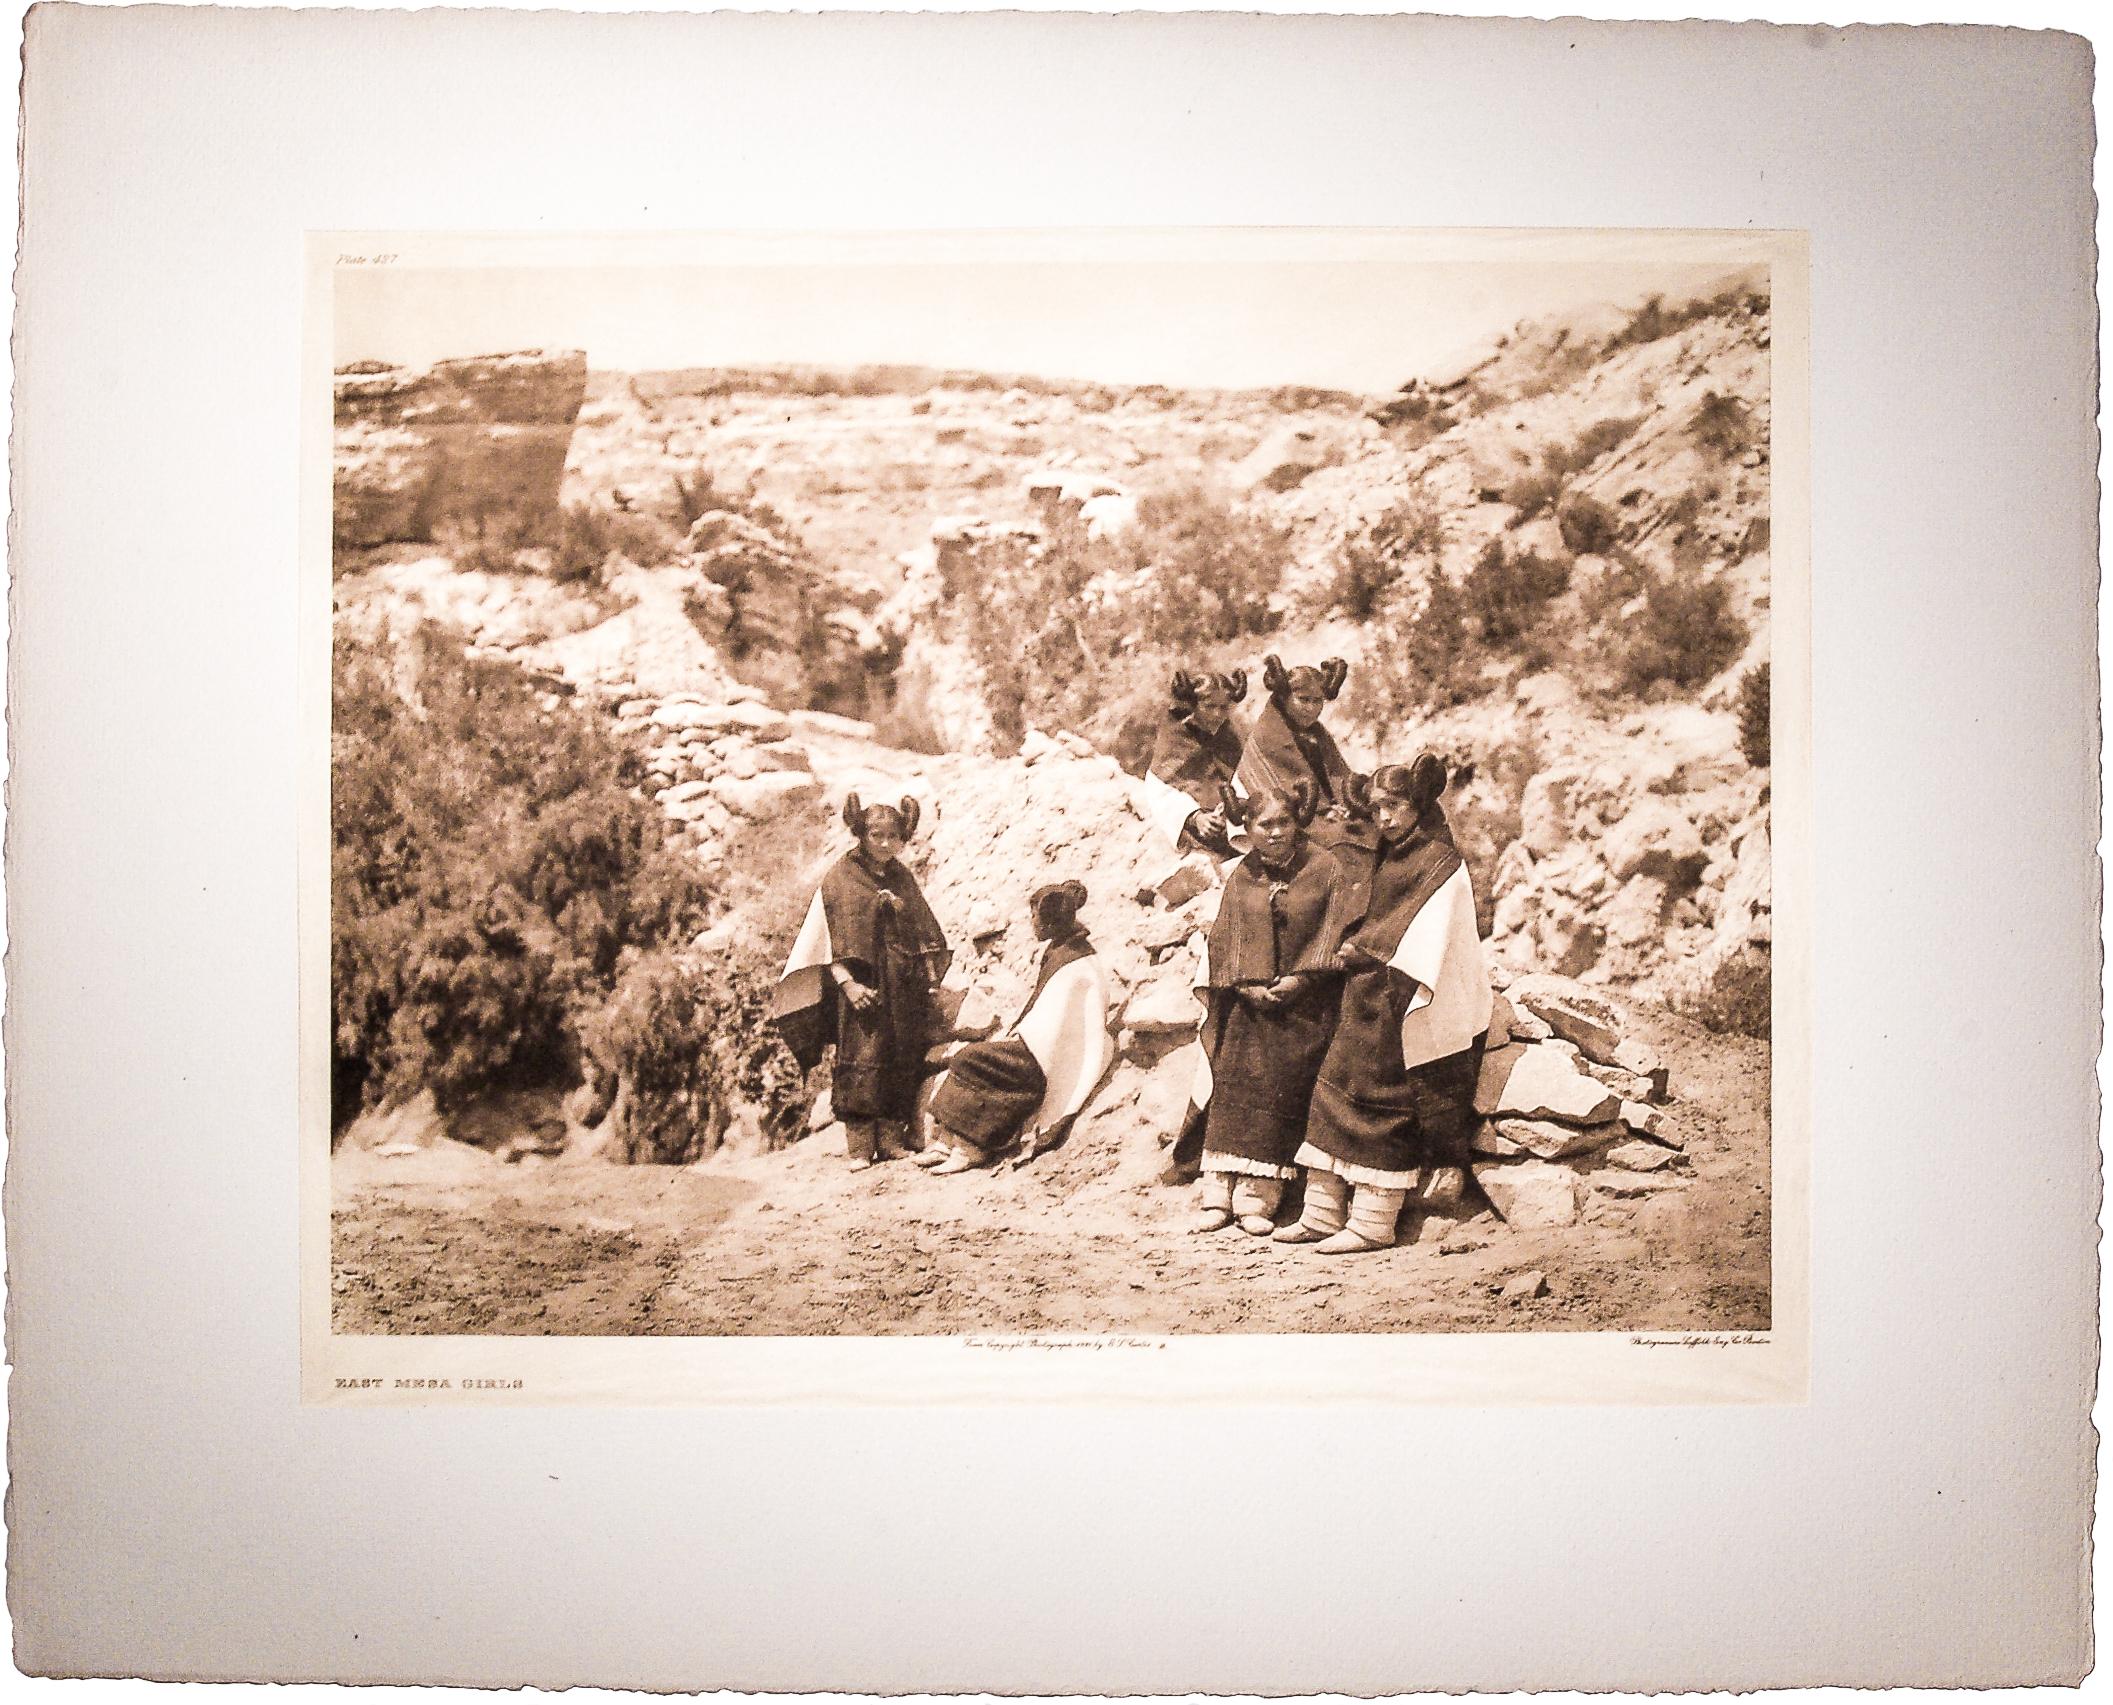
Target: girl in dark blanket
[
  {"x": 1288, "y": 745},
  {"x": 862, "y": 975},
  {"x": 1393, "y": 1107},
  {"x": 1271, "y": 986},
  {"x": 1197, "y": 753}
]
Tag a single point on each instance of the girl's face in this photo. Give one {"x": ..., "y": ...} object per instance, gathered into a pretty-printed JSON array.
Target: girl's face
[
  {"x": 1396, "y": 817},
  {"x": 1213, "y": 706},
  {"x": 1273, "y": 830},
  {"x": 1303, "y": 706},
  {"x": 882, "y": 839}
]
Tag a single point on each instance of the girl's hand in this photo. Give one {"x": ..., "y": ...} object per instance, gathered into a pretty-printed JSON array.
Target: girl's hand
[
  {"x": 1351, "y": 957},
  {"x": 1288, "y": 990},
  {"x": 862, "y": 998},
  {"x": 1263, "y": 997}
]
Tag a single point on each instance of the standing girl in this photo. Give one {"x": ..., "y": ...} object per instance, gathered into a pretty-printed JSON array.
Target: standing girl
[
  {"x": 1396, "y": 1092},
  {"x": 1270, "y": 983},
  {"x": 861, "y": 975}
]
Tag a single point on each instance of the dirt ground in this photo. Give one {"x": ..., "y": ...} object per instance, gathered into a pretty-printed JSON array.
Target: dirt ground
[{"x": 452, "y": 1240}]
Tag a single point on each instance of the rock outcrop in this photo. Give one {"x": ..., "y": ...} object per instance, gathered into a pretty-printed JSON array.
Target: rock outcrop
[{"x": 480, "y": 441}]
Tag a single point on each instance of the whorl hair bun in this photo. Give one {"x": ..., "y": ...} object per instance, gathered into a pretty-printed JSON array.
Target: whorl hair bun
[
  {"x": 1301, "y": 798},
  {"x": 1234, "y": 682},
  {"x": 909, "y": 811},
  {"x": 854, "y": 817},
  {"x": 1058, "y": 898},
  {"x": 1334, "y": 673},
  {"x": 1274, "y": 680},
  {"x": 1419, "y": 781},
  {"x": 1182, "y": 691}
]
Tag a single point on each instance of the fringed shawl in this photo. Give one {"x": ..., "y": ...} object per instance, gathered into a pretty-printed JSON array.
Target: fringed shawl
[{"x": 1271, "y": 926}]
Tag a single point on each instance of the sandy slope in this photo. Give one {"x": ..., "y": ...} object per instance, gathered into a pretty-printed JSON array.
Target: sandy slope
[{"x": 452, "y": 1240}]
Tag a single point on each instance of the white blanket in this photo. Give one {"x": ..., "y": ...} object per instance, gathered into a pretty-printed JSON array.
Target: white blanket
[
  {"x": 1067, "y": 1032},
  {"x": 1442, "y": 950}
]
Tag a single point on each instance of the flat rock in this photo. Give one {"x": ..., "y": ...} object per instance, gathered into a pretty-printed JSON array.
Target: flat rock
[
  {"x": 1647, "y": 1121},
  {"x": 1545, "y": 1140},
  {"x": 765, "y": 795},
  {"x": 779, "y": 756},
  {"x": 1530, "y": 1194},
  {"x": 1540, "y": 1084},
  {"x": 1637, "y": 1156},
  {"x": 1524, "y": 1287},
  {"x": 682, "y": 792},
  {"x": 1489, "y": 1140},
  {"x": 1573, "y": 1012},
  {"x": 827, "y": 722},
  {"x": 758, "y": 720}
]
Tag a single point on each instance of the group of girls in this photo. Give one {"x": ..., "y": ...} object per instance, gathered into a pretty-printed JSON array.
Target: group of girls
[{"x": 1345, "y": 996}]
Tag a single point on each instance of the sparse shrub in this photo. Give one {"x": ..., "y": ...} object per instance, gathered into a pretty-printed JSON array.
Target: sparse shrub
[
  {"x": 1736, "y": 998},
  {"x": 1588, "y": 526},
  {"x": 1686, "y": 633},
  {"x": 1753, "y": 716},
  {"x": 1370, "y": 566},
  {"x": 1722, "y": 424},
  {"x": 1507, "y": 591},
  {"x": 1597, "y": 440},
  {"x": 1647, "y": 325},
  {"x": 698, "y": 493},
  {"x": 1433, "y": 664},
  {"x": 1532, "y": 493}
]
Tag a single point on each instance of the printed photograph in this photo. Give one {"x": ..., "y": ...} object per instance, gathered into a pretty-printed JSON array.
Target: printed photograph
[{"x": 1155, "y": 793}]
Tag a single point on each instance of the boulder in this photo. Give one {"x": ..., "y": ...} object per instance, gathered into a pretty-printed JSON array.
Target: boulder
[
  {"x": 1284, "y": 459},
  {"x": 1530, "y": 1194},
  {"x": 1164, "y": 1005},
  {"x": 766, "y": 795},
  {"x": 1545, "y": 1140},
  {"x": 1544, "y": 814},
  {"x": 1654, "y": 838},
  {"x": 822, "y": 1114},
  {"x": 1514, "y": 867},
  {"x": 480, "y": 441},
  {"x": 1524, "y": 1287},
  {"x": 779, "y": 756},
  {"x": 683, "y": 792},
  {"x": 1538, "y": 1083},
  {"x": 1573, "y": 1012}
]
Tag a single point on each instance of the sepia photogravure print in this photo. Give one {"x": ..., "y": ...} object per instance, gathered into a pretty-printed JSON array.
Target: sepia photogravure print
[{"x": 1211, "y": 796}]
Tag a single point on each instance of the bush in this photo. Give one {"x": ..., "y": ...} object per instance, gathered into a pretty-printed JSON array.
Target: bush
[
  {"x": 1531, "y": 494},
  {"x": 1507, "y": 592},
  {"x": 1753, "y": 716},
  {"x": 690, "y": 1040},
  {"x": 1056, "y": 627},
  {"x": 1735, "y": 999},
  {"x": 488, "y": 870},
  {"x": 1722, "y": 424},
  {"x": 698, "y": 493},
  {"x": 1368, "y": 567},
  {"x": 1685, "y": 634},
  {"x": 1588, "y": 526},
  {"x": 1601, "y": 437}
]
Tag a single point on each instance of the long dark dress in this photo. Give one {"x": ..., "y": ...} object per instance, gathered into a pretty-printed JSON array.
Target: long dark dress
[
  {"x": 993, "y": 1088},
  {"x": 1195, "y": 763},
  {"x": 1278, "y": 756},
  {"x": 1263, "y": 1064},
  {"x": 1371, "y": 1113},
  {"x": 881, "y": 929}
]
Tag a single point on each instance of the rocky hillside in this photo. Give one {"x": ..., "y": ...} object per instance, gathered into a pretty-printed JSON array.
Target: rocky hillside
[{"x": 1551, "y": 561}]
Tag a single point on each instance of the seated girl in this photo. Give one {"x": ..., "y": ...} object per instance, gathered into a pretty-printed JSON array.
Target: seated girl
[
  {"x": 1270, "y": 983},
  {"x": 1196, "y": 754},
  {"x": 1031, "y": 1081},
  {"x": 1288, "y": 745},
  {"x": 861, "y": 974}
]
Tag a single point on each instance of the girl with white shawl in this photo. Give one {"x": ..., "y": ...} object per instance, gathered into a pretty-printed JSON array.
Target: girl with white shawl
[
  {"x": 1393, "y": 1109},
  {"x": 1033, "y": 1080}
]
